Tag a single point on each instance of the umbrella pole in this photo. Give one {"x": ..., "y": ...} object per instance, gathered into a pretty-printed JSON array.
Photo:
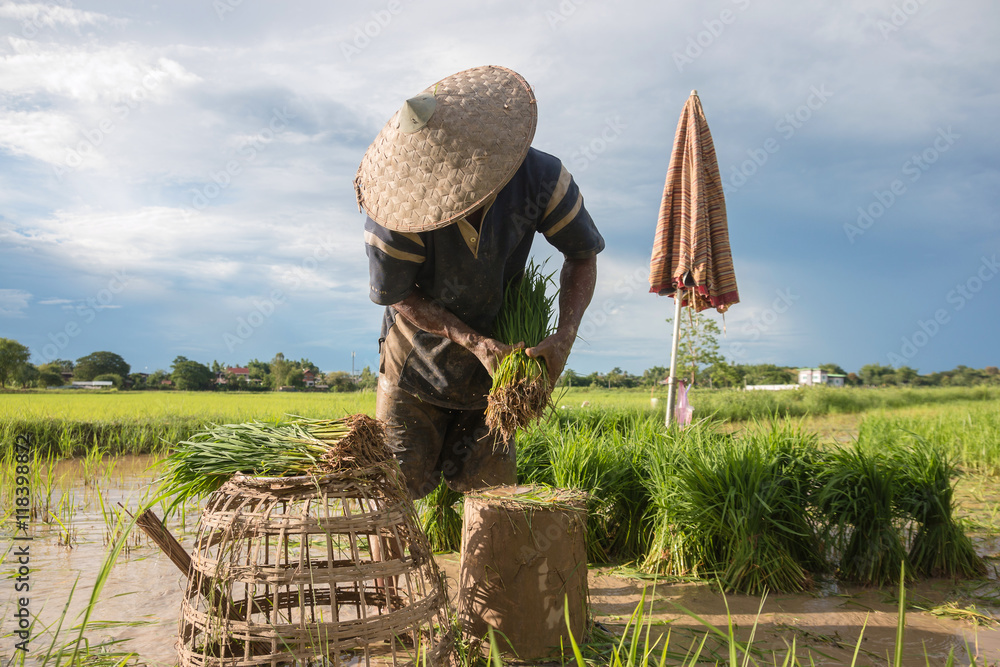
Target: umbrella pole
[{"x": 672, "y": 380}]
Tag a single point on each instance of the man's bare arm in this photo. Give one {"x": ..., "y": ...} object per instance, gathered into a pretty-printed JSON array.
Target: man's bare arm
[
  {"x": 577, "y": 281},
  {"x": 432, "y": 317}
]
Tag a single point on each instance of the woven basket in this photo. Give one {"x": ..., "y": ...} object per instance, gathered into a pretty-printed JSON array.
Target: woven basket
[{"x": 286, "y": 570}]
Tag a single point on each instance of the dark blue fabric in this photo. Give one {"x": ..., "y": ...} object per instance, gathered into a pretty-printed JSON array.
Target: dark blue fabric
[{"x": 441, "y": 264}]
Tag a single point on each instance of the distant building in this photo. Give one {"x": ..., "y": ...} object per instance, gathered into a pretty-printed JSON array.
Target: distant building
[
  {"x": 237, "y": 373},
  {"x": 309, "y": 378},
  {"x": 814, "y": 376},
  {"x": 770, "y": 387},
  {"x": 93, "y": 384}
]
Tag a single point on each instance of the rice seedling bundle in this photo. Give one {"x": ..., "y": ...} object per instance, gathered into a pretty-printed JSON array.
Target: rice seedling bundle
[
  {"x": 858, "y": 500},
  {"x": 296, "y": 446},
  {"x": 440, "y": 519},
  {"x": 521, "y": 389},
  {"x": 736, "y": 508},
  {"x": 584, "y": 461},
  {"x": 940, "y": 547}
]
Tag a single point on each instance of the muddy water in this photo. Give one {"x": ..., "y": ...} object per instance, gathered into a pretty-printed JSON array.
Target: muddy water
[{"x": 145, "y": 590}]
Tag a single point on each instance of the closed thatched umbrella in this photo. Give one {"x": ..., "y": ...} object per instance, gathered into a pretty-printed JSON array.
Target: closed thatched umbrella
[{"x": 691, "y": 258}]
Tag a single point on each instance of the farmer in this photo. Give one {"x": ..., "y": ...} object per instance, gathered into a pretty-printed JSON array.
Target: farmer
[{"x": 455, "y": 195}]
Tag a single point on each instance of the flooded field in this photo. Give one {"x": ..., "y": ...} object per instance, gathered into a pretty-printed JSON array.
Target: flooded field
[{"x": 140, "y": 604}]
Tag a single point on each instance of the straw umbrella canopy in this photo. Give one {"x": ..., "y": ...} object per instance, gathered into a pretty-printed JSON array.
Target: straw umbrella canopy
[{"x": 691, "y": 258}]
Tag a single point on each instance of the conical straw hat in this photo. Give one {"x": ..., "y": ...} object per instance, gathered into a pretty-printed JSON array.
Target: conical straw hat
[{"x": 447, "y": 150}]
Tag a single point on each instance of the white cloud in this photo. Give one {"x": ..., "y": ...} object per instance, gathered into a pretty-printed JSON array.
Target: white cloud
[
  {"x": 93, "y": 74},
  {"x": 13, "y": 302},
  {"x": 42, "y": 135},
  {"x": 35, "y": 17}
]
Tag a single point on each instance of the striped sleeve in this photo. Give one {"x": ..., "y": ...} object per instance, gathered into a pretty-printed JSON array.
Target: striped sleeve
[
  {"x": 394, "y": 258},
  {"x": 566, "y": 223}
]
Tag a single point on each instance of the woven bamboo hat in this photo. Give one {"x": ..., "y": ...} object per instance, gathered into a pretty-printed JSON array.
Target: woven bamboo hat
[{"x": 447, "y": 150}]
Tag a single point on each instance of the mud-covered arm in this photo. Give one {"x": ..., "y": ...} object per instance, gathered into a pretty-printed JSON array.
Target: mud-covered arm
[{"x": 431, "y": 316}]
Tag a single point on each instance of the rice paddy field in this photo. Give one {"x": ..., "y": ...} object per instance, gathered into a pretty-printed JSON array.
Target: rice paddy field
[{"x": 772, "y": 531}]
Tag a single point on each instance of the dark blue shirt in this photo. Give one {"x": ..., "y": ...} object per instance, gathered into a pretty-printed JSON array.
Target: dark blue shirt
[{"x": 466, "y": 271}]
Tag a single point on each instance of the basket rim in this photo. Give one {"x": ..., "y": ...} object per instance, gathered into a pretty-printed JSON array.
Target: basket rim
[{"x": 260, "y": 480}]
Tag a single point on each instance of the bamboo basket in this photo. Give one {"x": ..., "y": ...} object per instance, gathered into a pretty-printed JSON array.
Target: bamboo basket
[{"x": 331, "y": 569}]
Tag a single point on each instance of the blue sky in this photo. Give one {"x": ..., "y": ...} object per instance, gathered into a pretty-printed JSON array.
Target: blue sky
[{"x": 176, "y": 178}]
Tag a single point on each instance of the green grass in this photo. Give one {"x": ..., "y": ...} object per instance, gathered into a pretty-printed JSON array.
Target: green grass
[{"x": 68, "y": 423}]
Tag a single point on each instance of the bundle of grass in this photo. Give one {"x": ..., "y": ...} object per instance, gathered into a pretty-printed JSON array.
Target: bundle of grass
[
  {"x": 440, "y": 519},
  {"x": 737, "y": 507},
  {"x": 297, "y": 446},
  {"x": 521, "y": 389},
  {"x": 581, "y": 459},
  {"x": 940, "y": 548},
  {"x": 857, "y": 498}
]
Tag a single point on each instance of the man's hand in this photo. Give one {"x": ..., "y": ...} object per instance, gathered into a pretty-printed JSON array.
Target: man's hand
[{"x": 555, "y": 350}]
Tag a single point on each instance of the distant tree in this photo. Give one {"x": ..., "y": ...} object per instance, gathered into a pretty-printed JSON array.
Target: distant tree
[
  {"x": 367, "y": 380},
  {"x": 217, "y": 367},
  {"x": 651, "y": 377},
  {"x": 832, "y": 368},
  {"x": 906, "y": 375},
  {"x": 568, "y": 378},
  {"x": 99, "y": 363},
  {"x": 50, "y": 375},
  {"x": 116, "y": 380},
  {"x": 877, "y": 374},
  {"x": 156, "y": 378},
  {"x": 307, "y": 365},
  {"x": 12, "y": 355},
  {"x": 137, "y": 380},
  {"x": 190, "y": 375},
  {"x": 766, "y": 374},
  {"x": 280, "y": 368},
  {"x": 853, "y": 379},
  {"x": 699, "y": 345},
  {"x": 26, "y": 375},
  {"x": 295, "y": 378},
  {"x": 341, "y": 381},
  {"x": 723, "y": 374}
]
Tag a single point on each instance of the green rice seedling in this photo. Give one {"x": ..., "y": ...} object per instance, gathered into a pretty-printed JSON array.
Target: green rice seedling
[
  {"x": 736, "y": 507},
  {"x": 534, "y": 459},
  {"x": 439, "y": 518},
  {"x": 297, "y": 446},
  {"x": 676, "y": 548},
  {"x": 858, "y": 500},
  {"x": 582, "y": 460},
  {"x": 521, "y": 390},
  {"x": 940, "y": 547}
]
